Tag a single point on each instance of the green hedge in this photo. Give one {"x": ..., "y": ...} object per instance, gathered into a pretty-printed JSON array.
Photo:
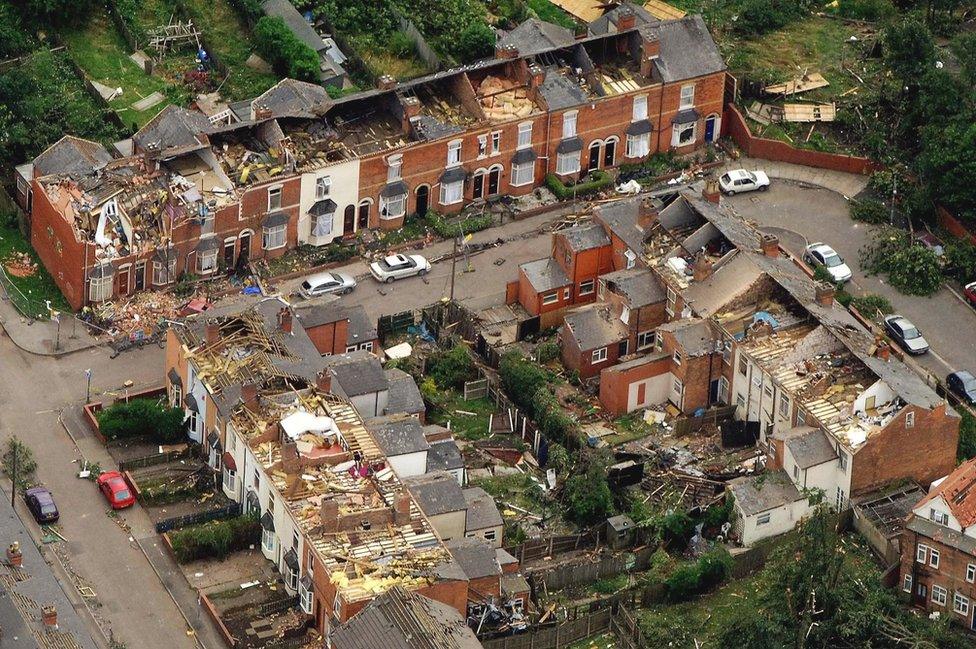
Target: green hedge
[
  {"x": 453, "y": 228},
  {"x": 216, "y": 539},
  {"x": 693, "y": 579},
  {"x": 284, "y": 52},
  {"x": 138, "y": 417},
  {"x": 594, "y": 182},
  {"x": 250, "y": 10}
]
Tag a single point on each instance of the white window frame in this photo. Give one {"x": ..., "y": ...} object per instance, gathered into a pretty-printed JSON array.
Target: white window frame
[
  {"x": 319, "y": 221},
  {"x": 550, "y": 298},
  {"x": 723, "y": 389},
  {"x": 960, "y": 604},
  {"x": 323, "y": 186},
  {"x": 483, "y": 145},
  {"x": 453, "y": 153},
  {"x": 337, "y": 606},
  {"x": 639, "y": 111},
  {"x": 524, "y": 135},
  {"x": 176, "y": 393},
  {"x": 939, "y": 595},
  {"x": 452, "y": 193},
  {"x": 567, "y": 163},
  {"x": 784, "y": 405},
  {"x": 164, "y": 275},
  {"x": 587, "y": 287},
  {"x": 388, "y": 203},
  {"x": 687, "y": 99},
  {"x": 678, "y": 131},
  {"x": 645, "y": 339},
  {"x": 941, "y": 518},
  {"x": 305, "y": 598},
  {"x": 230, "y": 480},
  {"x": 598, "y": 355},
  {"x": 921, "y": 553},
  {"x": 676, "y": 357},
  {"x": 523, "y": 174},
  {"x": 934, "y": 557},
  {"x": 100, "y": 289},
  {"x": 671, "y": 302},
  {"x": 294, "y": 578},
  {"x": 631, "y": 258},
  {"x": 394, "y": 168},
  {"x": 274, "y": 237},
  {"x": 570, "y": 120},
  {"x": 971, "y": 573},
  {"x": 496, "y": 142},
  {"x": 909, "y": 420},
  {"x": 274, "y": 198},
  {"x": 206, "y": 261},
  {"x": 266, "y": 537},
  {"x": 763, "y": 519},
  {"x": 906, "y": 584},
  {"x": 638, "y": 146}
]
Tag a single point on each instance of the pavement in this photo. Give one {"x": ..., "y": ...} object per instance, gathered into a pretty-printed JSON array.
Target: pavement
[
  {"x": 840, "y": 182},
  {"x": 44, "y": 337}
]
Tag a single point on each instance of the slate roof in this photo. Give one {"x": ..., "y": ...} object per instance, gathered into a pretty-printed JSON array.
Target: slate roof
[
  {"x": 608, "y": 22},
  {"x": 595, "y": 326},
  {"x": 692, "y": 334},
  {"x": 545, "y": 275},
  {"x": 398, "y": 619},
  {"x": 357, "y": 373},
  {"x": 585, "y": 237},
  {"x": 72, "y": 156},
  {"x": 398, "y": 434},
  {"x": 293, "y": 97},
  {"x": 947, "y": 535},
  {"x": 174, "y": 128},
  {"x": 757, "y": 494},
  {"x": 639, "y": 286},
  {"x": 620, "y": 218},
  {"x": 476, "y": 557},
  {"x": 959, "y": 493},
  {"x": 535, "y": 35},
  {"x": 482, "y": 511},
  {"x": 687, "y": 49},
  {"x": 810, "y": 447},
  {"x": 444, "y": 456},
  {"x": 732, "y": 278},
  {"x": 360, "y": 328},
  {"x": 404, "y": 394},
  {"x": 561, "y": 92},
  {"x": 436, "y": 493}
]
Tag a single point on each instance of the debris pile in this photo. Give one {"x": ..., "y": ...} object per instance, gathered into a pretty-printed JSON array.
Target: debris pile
[
  {"x": 140, "y": 313},
  {"x": 503, "y": 99},
  {"x": 20, "y": 264}
]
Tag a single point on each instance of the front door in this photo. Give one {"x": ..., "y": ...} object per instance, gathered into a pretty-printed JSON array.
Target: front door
[
  {"x": 494, "y": 178},
  {"x": 229, "y": 254},
  {"x": 594, "y": 162},
  {"x": 349, "y": 219},
  {"x": 423, "y": 200},
  {"x": 609, "y": 153},
  {"x": 477, "y": 187},
  {"x": 140, "y": 275},
  {"x": 710, "y": 129},
  {"x": 364, "y": 215},
  {"x": 124, "y": 282},
  {"x": 245, "y": 250}
]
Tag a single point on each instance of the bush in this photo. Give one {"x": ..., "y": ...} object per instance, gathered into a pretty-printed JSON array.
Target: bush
[
  {"x": 558, "y": 458},
  {"x": 960, "y": 260},
  {"x": 401, "y": 45},
  {"x": 587, "y": 496},
  {"x": 250, "y": 10},
  {"x": 758, "y": 17},
  {"x": 865, "y": 9},
  {"x": 676, "y": 529},
  {"x": 125, "y": 419},
  {"x": 457, "y": 227},
  {"x": 521, "y": 379},
  {"x": 912, "y": 269},
  {"x": 552, "y": 419},
  {"x": 869, "y": 305},
  {"x": 216, "y": 539},
  {"x": 869, "y": 211},
  {"x": 593, "y": 183},
  {"x": 476, "y": 41},
  {"x": 451, "y": 369},
  {"x": 547, "y": 351},
  {"x": 967, "y": 436},
  {"x": 284, "y": 52},
  {"x": 693, "y": 579}
]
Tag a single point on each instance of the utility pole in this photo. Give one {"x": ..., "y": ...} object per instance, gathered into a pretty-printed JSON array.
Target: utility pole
[
  {"x": 13, "y": 477},
  {"x": 88, "y": 376},
  {"x": 454, "y": 265}
]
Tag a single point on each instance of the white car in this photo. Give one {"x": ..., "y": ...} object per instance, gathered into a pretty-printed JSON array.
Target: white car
[
  {"x": 740, "y": 180},
  {"x": 395, "y": 267},
  {"x": 325, "y": 283},
  {"x": 820, "y": 254}
]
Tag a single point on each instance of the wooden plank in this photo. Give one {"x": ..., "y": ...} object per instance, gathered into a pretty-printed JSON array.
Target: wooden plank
[
  {"x": 809, "y": 112},
  {"x": 800, "y": 84},
  {"x": 585, "y": 10},
  {"x": 662, "y": 10}
]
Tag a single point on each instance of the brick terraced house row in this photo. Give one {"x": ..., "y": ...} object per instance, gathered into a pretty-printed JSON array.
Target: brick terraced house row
[{"x": 191, "y": 195}]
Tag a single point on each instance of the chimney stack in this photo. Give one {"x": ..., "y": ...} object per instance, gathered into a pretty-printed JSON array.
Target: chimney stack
[
  {"x": 626, "y": 19},
  {"x": 646, "y": 213},
  {"x": 401, "y": 508},
  {"x": 411, "y": 109},
  {"x": 769, "y": 244},
  {"x": 49, "y": 614},
  {"x": 386, "y": 82},
  {"x": 212, "y": 332},
  {"x": 329, "y": 515},
  {"x": 14, "y": 556},
  {"x": 506, "y": 52},
  {"x": 701, "y": 267},
  {"x": 323, "y": 381},
  {"x": 824, "y": 294},
  {"x": 249, "y": 395},
  {"x": 291, "y": 463},
  {"x": 262, "y": 112},
  {"x": 536, "y": 75},
  {"x": 650, "y": 50},
  {"x": 711, "y": 191},
  {"x": 581, "y": 31},
  {"x": 285, "y": 319}
]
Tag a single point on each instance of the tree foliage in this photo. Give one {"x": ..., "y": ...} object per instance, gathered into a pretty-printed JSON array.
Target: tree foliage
[
  {"x": 451, "y": 369},
  {"x": 967, "y": 436},
  {"x": 139, "y": 417},
  {"x": 281, "y": 48},
  {"x": 216, "y": 539},
  {"x": 587, "y": 495},
  {"x": 912, "y": 269},
  {"x": 26, "y": 466}
]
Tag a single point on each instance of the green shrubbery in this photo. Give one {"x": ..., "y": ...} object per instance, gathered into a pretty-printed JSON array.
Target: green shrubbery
[
  {"x": 593, "y": 183},
  {"x": 284, "y": 52},
  {"x": 547, "y": 351},
  {"x": 865, "y": 9},
  {"x": 587, "y": 495},
  {"x": 250, "y": 9},
  {"x": 870, "y": 305},
  {"x": 967, "y": 436},
  {"x": 216, "y": 539},
  {"x": 138, "y": 417},
  {"x": 693, "y": 579},
  {"x": 451, "y": 369},
  {"x": 447, "y": 229},
  {"x": 869, "y": 211},
  {"x": 757, "y": 17}
]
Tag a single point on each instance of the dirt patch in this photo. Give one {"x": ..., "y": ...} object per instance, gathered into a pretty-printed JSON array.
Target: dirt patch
[
  {"x": 20, "y": 264},
  {"x": 221, "y": 579}
]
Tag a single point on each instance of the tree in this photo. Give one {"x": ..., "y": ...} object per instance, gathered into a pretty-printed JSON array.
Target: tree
[
  {"x": 58, "y": 11},
  {"x": 282, "y": 49},
  {"x": 909, "y": 49},
  {"x": 587, "y": 496},
  {"x": 912, "y": 269},
  {"x": 476, "y": 41},
  {"x": 947, "y": 164},
  {"x": 139, "y": 417},
  {"x": 964, "y": 47},
  {"x": 25, "y": 464},
  {"x": 967, "y": 436}
]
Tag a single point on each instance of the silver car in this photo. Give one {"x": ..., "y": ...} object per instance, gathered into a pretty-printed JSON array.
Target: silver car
[
  {"x": 326, "y": 283},
  {"x": 820, "y": 254}
]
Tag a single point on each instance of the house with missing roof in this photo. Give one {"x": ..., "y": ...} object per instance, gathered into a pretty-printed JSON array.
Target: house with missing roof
[{"x": 938, "y": 548}]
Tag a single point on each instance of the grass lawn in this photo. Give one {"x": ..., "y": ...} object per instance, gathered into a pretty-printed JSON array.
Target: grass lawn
[
  {"x": 518, "y": 489},
  {"x": 230, "y": 38},
  {"x": 629, "y": 427},
  {"x": 382, "y": 62},
  {"x": 550, "y": 13},
  {"x": 602, "y": 641},
  {"x": 100, "y": 51},
  {"x": 469, "y": 427},
  {"x": 38, "y": 287}
]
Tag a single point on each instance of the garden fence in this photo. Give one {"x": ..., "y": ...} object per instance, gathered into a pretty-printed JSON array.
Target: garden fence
[
  {"x": 30, "y": 308},
  {"x": 227, "y": 511}
]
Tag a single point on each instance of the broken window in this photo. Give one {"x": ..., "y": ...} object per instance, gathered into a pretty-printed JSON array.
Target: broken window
[
  {"x": 164, "y": 273},
  {"x": 638, "y": 146},
  {"x": 910, "y": 420},
  {"x": 971, "y": 572},
  {"x": 525, "y": 135},
  {"x": 640, "y": 108},
  {"x": 489, "y": 535},
  {"x": 723, "y": 390},
  {"x": 393, "y": 207},
  {"x": 907, "y": 585},
  {"x": 322, "y": 187},
  {"x": 523, "y": 174},
  {"x": 482, "y": 146},
  {"x": 687, "y": 96},
  {"x": 645, "y": 339},
  {"x": 496, "y": 142},
  {"x": 100, "y": 288},
  {"x": 273, "y": 237},
  {"x": 452, "y": 193},
  {"x": 568, "y": 163},
  {"x": 632, "y": 261},
  {"x": 676, "y": 357},
  {"x": 683, "y": 134},
  {"x": 274, "y": 199}
]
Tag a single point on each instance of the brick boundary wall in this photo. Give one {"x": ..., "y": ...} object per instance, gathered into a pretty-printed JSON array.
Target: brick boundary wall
[
  {"x": 758, "y": 147},
  {"x": 954, "y": 226}
]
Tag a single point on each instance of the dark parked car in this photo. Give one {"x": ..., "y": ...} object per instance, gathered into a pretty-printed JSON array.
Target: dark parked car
[
  {"x": 41, "y": 504},
  {"x": 907, "y": 335},
  {"x": 963, "y": 385}
]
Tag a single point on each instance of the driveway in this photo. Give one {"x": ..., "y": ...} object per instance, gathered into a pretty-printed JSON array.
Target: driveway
[{"x": 799, "y": 214}]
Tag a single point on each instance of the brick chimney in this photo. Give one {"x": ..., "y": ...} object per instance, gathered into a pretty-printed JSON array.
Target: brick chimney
[
  {"x": 769, "y": 244},
  {"x": 291, "y": 463},
  {"x": 626, "y": 19},
  {"x": 506, "y": 52},
  {"x": 824, "y": 294},
  {"x": 14, "y": 556},
  {"x": 701, "y": 267},
  {"x": 411, "y": 109},
  {"x": 329, "y": 515},
  {"x": 49, "y": 614},
  {"x": 711, "y": 191},
  {"x": 883, "y": 351},
  {"x": 646, "y": 213},
  {"x": 262, "y": 112},
  {"x": 285, "y": 319},
  {"x": 386, "y": 82},
  {"x": 249, "y": 395},
  {"x": 650, "y": 50},
  {"x": 212, "y": 332},
  {"x": 581, "y": 31},
  {"x": 536, "y": 75},
  {"x": 401, "y": 508},
  {"x": 323, "y": 381}
]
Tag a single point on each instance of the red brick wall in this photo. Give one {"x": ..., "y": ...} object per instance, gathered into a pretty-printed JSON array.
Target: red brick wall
[
  {"x": 953, "y": 225},
  {"x": 615, "y": 383},
  {"x": 581, "y": 360},
  {"x": 951, "y": 573},
  {"x": 329, "y": 338},
  {"x": 924, "y": 452},
  {"x": 62, "y": 255},
  {"x": 452, "y": 593},
  {"x": 757, "y": 147},
  {"x": 695, "y": 372},
  {"x": 531, "y": 301}
]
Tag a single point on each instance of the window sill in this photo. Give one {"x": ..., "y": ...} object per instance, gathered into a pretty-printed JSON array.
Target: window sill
[
  {"x": 567, "y": 173},
  {"x": 526, "y": 184},
  {"x": 391, "y": 217},
  {"x": 274, "y": 248}
]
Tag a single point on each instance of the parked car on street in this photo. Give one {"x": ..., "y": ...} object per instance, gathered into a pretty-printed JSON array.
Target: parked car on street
[
  {"x": 115, "y": 489},
  {"x": 40, "y": 502},
  {"x": 907, "y": 335},
  {"x": 963, "y": 385},
  {"x": 738, "y": 181},
  {"x": 820, "y": 254},
  {"x": 395, "y": 267},
  {"x": 969, "y": 290},
  {"x": 325, "y": 283}
]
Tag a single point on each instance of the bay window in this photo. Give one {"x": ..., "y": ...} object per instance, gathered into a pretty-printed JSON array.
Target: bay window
[
  {"x": 683, "y": 134},
  {"x": 273, "y": 237},
  {"x": 523, "y": 174},
  {"x": 567, "y": 163},
  {"x": 638, "y": 146},
  {"x": 452, "y": 192}
]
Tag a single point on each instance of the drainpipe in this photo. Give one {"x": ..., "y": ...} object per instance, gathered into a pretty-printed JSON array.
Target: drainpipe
[{"x": 660, "y": 116}]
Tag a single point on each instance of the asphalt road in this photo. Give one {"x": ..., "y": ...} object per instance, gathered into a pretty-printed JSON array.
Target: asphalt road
[{"x": 799, "y": 215}]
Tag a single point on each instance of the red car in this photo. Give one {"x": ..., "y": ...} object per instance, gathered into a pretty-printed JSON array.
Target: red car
[
  {"x": 115, "y": 489},
  {"x": 970, "y": 292}
]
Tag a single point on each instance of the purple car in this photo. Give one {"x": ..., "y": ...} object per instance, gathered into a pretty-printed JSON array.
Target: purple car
[{"x": 41, "y": 503}]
